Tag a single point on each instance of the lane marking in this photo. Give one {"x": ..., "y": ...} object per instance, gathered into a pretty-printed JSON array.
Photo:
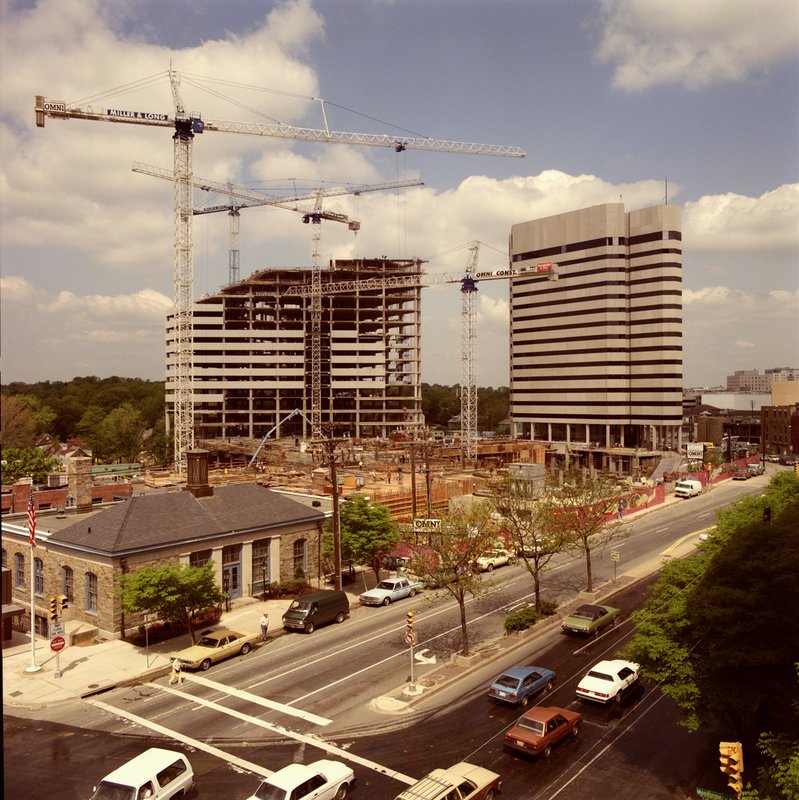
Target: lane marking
[
  {"x": 258, "y": 700},
  {"x": 179, "y": 737},
  {"x": 682, "y": 539},
  {"x": 314, "y": 741}
]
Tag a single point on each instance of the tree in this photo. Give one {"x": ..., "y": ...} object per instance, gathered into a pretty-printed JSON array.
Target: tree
[
  {"x": 449, "y": 562},
  {"x": 22, "y": 462},
  {"x": 582, "y": 507},
  {"x": 720, "y": 633},
  {"x": 18, "y": 425},
  {"x": 531, "y": 534},
  {"x": 368, "y": 533},
  {"x": 123, "y": 431},
  {"x": 173, "y": 593}
]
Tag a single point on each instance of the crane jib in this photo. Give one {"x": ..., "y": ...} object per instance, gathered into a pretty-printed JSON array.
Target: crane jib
[{"x": 113, "y": 112}]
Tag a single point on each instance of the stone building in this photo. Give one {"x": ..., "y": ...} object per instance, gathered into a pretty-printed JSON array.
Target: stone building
[{"x": 253, "y": 536}]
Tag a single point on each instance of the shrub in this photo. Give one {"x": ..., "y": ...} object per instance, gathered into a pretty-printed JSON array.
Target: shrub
[{"x": 522, "y": 619}]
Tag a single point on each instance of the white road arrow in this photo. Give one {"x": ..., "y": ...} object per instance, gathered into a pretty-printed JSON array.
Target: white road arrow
[{"x": 423, "y": 659}]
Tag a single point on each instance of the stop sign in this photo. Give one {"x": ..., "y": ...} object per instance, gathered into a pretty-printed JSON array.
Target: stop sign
[{"x": 57, "y": 643}]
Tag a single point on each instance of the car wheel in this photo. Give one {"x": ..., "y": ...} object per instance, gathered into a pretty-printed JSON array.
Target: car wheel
[
  {"x": 309, "y": 627},
  {"x": 524, "y": 701},
  {"x": 613, "y": 622},
  {"x": 546, "y": 752},
  {"x": 386, "y": 601},
  {"x": 205, "y": 664},
  {"x": 339, "y": 618},
  {"x": 489, "y": 795},
  {"x": 489, "y": 567},
  {"x": 548, "y": 687},
  {"x": 412, "y": 593},
  {"x": 576, "y": 729},
  {"x": 618, "y": 696},
  {"x": 342, "y": 791},
  {"x": 245, "y": 648}
]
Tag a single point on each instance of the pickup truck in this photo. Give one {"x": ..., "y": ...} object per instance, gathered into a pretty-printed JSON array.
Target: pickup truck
[{"x": 389, "y": 590}]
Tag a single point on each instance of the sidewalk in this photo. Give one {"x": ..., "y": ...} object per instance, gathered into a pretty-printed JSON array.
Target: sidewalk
[{"x": 84, "y": 670}]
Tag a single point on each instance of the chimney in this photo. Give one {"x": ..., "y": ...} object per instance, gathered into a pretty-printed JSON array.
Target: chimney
[
  {"x": 79, "y": 480},
  {"x": 197, "y": 477}
]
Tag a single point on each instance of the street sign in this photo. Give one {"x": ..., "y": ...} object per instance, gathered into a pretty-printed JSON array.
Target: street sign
[
  {"x": 56, "y": 629},
  {"x": 614, "y": 555},
  {"x": 57, "y": 644},
  {"x": 423, "y": 525},
  {"x": 410, "y": 637}
]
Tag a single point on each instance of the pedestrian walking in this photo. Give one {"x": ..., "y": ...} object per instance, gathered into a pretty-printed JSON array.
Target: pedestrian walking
[
  {"x": 177, "y": 674},
  {"x": 264, "y": 625}
]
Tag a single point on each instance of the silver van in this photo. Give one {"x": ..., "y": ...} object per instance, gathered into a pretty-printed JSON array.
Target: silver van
[
  {"x": 155, "y": 774},
  {"x": 308, "y": 612}
]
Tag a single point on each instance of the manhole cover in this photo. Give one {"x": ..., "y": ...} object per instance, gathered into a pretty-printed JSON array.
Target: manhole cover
[
  {"x": 15, "y": 694},
  {"x": 94, "y": 686}
]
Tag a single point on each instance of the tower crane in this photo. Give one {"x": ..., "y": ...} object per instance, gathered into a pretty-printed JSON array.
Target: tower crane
[
  {"x": 315, "y": 217},
  {"x": 186, "y": 126},
  {"x": 468, "y": 285}
]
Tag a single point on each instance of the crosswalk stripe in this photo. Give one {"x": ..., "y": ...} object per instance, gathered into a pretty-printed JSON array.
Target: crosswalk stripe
[{"x": 258, "y": 700}]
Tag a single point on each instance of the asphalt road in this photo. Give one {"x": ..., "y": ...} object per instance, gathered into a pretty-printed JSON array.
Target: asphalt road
[{"x": 300, "y": 698}]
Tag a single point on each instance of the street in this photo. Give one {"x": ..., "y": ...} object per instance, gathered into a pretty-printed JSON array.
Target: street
[{"x": 300, "y": 698}]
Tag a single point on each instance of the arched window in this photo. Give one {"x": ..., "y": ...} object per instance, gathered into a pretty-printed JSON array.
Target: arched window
[
  {"x": 91, "y": 591},
  {"x": 19, "y": 571},
  {"x": 38, "y": 576},
  {"x": 68, "y": 584}
]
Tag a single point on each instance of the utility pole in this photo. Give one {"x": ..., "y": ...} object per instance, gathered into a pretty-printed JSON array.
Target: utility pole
[{"x": 329, "y": 443}]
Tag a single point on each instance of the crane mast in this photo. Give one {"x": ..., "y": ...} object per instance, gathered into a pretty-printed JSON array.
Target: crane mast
[
  {"x": 469, "y": 359},
  {"x": 185, "y": 127}
]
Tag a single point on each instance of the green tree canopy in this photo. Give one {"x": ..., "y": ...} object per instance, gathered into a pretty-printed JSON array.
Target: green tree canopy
[
  {"x": 22, "y": 462},
  {"x": 368, "y": 533},
  {"x": 173, "y": 593},
  {"x": 720, "y": 633}
]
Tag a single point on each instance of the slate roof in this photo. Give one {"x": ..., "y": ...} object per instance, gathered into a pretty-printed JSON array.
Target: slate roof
[{"x": 152, "y": 521}]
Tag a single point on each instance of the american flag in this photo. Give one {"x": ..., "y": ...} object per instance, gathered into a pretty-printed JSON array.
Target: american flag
[{"x": 31, "y": 520}]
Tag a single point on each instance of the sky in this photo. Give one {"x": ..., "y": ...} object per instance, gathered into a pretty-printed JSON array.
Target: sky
[{"x": 612, "y": 100}]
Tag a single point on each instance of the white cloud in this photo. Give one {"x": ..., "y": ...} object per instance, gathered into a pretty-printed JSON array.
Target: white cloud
[{"x": 695, "y": 44}]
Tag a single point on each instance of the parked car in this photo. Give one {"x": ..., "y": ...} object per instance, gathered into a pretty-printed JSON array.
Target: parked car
[
  {"x": 389, "y": 590},
  {"x": 607, "y": 681},
  {"x": 462, "y": 781},
  {"x": 518, "y": 684},
  {"x": 687, "y": 488},
  {"x": 537, "y": 730},
  {"x": 757, "y": 469},
  {"x": 741, "y": 475},
  {"x": 214, "y": 646},
  {"x": 156, "y": 774},
  {"x": 495, "y": 558},
  {"x": 590, "y": 619},
  {"x": 320, "y": 780}
]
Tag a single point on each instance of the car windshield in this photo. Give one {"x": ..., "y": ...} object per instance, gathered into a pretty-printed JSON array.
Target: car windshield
[
  {"x": 507, "y": 682},
  {"x": 113, "y": 791},
  {"x": 600, "y": 675},
  {"x": 385, "y": 585},
  {"x": 207, "y": 641},
  {"x": 268, "y": 791},
  {"x": 533, "y": 725}
]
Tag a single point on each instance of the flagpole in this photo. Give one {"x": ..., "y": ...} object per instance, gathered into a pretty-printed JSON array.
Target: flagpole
[{"x": 34, "y": 667}]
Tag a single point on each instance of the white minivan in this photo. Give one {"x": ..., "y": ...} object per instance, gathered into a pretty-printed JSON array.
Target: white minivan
[{"x": 155, "y": 774}]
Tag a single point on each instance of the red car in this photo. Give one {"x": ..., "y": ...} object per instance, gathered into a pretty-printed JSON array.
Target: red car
[{"x": 540, "y": 728}]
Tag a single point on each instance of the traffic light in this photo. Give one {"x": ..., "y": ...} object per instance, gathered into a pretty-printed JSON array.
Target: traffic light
[
  {"x": 63, "y": 602},
  {"x": 53, "y": 608},
  {"x": 410, "y": 620},
  {"x": 731, "y": 756}
]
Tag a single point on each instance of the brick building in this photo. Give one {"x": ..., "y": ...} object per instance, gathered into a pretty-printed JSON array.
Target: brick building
[{"x": 250, "y": 533}]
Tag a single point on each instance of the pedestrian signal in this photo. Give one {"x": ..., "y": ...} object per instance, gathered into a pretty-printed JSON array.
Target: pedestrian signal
[
  {"x": 731, "y": 758},
  {"x": 53, "y": 608},
  {"x": 410, "y": 620}
]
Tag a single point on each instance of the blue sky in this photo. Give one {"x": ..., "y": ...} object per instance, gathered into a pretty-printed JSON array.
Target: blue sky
[{"x": 609, "y": 99}]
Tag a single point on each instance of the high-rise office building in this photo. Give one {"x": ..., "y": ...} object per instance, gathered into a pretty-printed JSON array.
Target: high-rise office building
[{"x": 596, "y": 346}]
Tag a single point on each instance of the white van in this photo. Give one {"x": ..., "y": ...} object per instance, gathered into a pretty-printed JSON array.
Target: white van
[
  {"x": 155, "y": 774},
  {"x": 687, "y": 488}
]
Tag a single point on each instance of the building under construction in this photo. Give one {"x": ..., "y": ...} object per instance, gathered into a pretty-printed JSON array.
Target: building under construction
[{"x": 252, "y": 353}]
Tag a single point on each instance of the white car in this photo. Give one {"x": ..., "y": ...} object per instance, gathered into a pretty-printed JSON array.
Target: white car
[
  {"x": 607, "y": 681},
  {"x": 389, "y": 590},
  {"x": 320, "y": 780},
  {"x": 495, "y": 558}
]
